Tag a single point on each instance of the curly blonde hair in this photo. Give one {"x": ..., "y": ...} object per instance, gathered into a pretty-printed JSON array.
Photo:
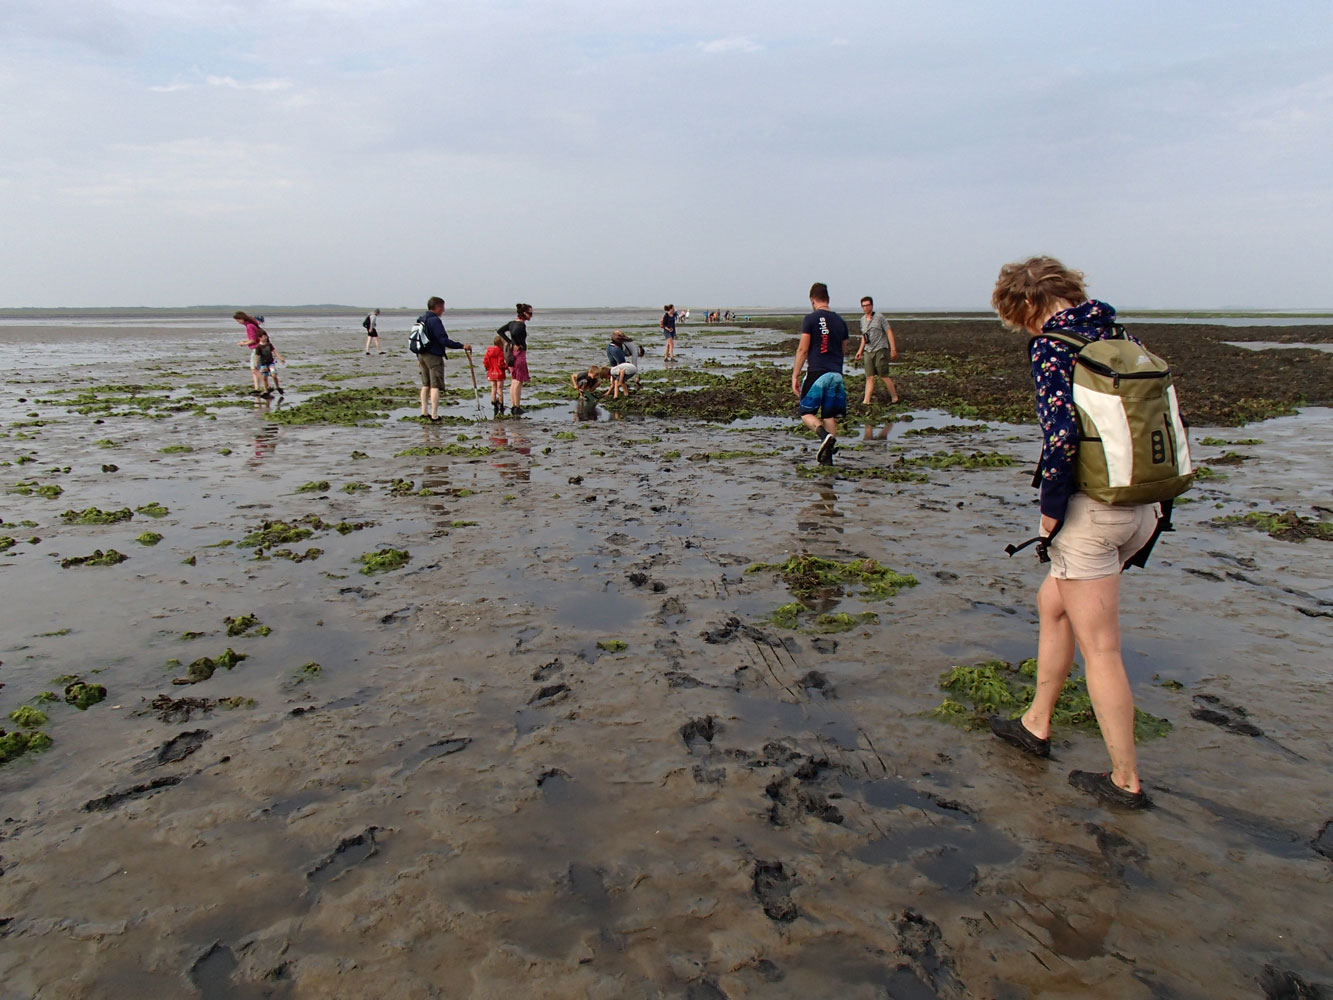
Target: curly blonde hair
[{"x": 1028, "y": 290}]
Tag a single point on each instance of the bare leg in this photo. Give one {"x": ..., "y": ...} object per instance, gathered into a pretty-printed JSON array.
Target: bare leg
[
  {"x": 893, "y": 392},
  {"x": 424, "y": 391},
  {"x": 434, "y": 402},
  {"x": 1093, "y": 609},
  {"x": 1055, "y": 658},
  {"x": 515, "y": 390},
  {"x": 870, "y": 390},
  {"x": 810, "y": 420},
  {"x": 831, "y": 425}
]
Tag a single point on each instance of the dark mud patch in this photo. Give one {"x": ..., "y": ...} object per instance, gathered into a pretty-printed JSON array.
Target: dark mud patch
[
  {"x": 697, "y": 731},
  {"x": 921, "y": 945},
  {"x": 1216, "y": 712},
  {"x": 1280, "y": 984},
  {"x": 734, "y": 628},
  {"x": 176, "y": 749},
  {"x": 350, "y": 852},
  {"x": 548, "y": 695},
  {"x": 1323, "y": 841},
  {"x": 773, "y": 884},
  {"x": 976, "y": 369},
  {"x": 177, "y": 710},
  {"x": 119, "y": 797}
]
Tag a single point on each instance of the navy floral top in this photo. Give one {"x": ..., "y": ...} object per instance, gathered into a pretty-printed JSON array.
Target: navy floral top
[{"x": 1053, "y": 372}]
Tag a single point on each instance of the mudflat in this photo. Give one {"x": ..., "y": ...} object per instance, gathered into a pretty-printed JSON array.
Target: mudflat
[{"x": 641, "y": 706}]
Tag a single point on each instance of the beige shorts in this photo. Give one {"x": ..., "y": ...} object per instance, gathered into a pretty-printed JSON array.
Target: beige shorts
[
  {"x": 431, "y": 367},
  {"x": 877, "y": 363},
  {"x": 1097, "y": 539}
]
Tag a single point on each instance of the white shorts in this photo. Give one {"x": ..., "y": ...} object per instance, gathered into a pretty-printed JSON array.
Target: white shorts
[
  {"x": 1097, "y": 539},
  {"x": 624, "y": 371}
]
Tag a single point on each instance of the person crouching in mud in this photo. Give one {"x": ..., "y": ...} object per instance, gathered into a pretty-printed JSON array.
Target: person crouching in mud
[
  {"x": 823, "y": 396},
  {"x": 1090, "y": 542}
]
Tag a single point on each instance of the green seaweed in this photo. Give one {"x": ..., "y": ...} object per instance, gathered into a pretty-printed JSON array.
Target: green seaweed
[
  {"x": 95, "y": 515},
  {"x": 462, "y": 524},
  {"x": 99, "y": 558},
  {"x": 997, "y": 687},
  {"x": 359, "y": 455},
  {"x": 14, "y": 745},
  {"x": 806, "y": 576},
  {"x": 236, "y": 701},
  {"x": 106, "y": 443},
  {"x": 1287, "y": 526},
  {"x": 240, "y": 624},
  {"x": 311, "y": 669},
  {"x": 28, "y": 487},
  {"x": 148, "y": 538},
  {"x": 271, "y": 533},
  {"x": 7, "y": 542},
  {"x": 314, "y": 486},
  {"x": 897, "y": 473},
  {"x": 564, "y": 435},
  {"x": 204, "y": 667},
  {"x": 177, "y": 449},
  {"x": 458, "y": 450},
  {"x": 297, "y": 557},
  {"x": 1228, "y": 458},
  {"x": 153, "y": 509},
  {"x": 347, "y": 407},
  {"x": 384, "y": 560},
  {"x": 45, "y": 697},
  {"x": 947, "y": 429},
  {"x": 190, "y": 636},
  {"x": 83, "y": 695},
  {"x": 347, "y": 527},
  {"x": 28, "y": 717},
  {"x": 612, "y": 645},
  {"x": 355, "y": 487},
  {"x": 402, "y": 488},
  {"x": 841, "y": 621}
]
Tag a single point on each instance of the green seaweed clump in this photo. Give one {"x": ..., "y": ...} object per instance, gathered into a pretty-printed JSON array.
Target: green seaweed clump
[
  {"x": 1287, "y": 526},
  {"x": 355, "y": 487},
  {"x": 314, "y": 486},
  {"x": 14, "y": 745},
  {"x": 95, "y": 515},
  {"x": 271, "y": 533},
  {"x": 898, "y": 472},
  {"x": 997, "y": 687},
  {"x": 806, "y": 576},
  {"x": 1228, "y": 458},
  {"x": 153, "y": 509},
  {"x": 787, "y": 615},
  {"x": 240, "y": 624},
  {"x": 841, "y": 621},
  {"x": 347, "y": 527},
  {"x": 311, "y": 669},
  {"x": 148, "y": 538},
  {"x": 177, "y": 449},
  {"x": 82, "y": 695},
  {"x": 236, "y": 701},
  {"x": 962, "y": 460},
  {"x": 463, "y": 451},
  {"x": 297, "y": 557},
  {"x": 7, "y": 542},
  {"x": 612, "y": 645},
  {"x": 204, "y": 667},
  {"x": 384, "y": 560},
  {"x": 462, "y": 524},
  {"x": 28, "y": 488},
  {"x": 46, "y": 696},
  {"x": 402, "y": 488},
  {"x": 99, "y": 558},
  {"x": 28, "y": 717}
]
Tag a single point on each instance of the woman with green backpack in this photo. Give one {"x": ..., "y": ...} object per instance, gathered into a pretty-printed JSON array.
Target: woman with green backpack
[{"x": 1113, "y": 454}]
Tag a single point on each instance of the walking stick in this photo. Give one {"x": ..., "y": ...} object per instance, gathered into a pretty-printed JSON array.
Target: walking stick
[{"x": 476, "y": 393}]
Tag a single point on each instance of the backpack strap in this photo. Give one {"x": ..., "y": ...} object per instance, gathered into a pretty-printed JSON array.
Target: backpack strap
[{"x": 1075, "y": 340}]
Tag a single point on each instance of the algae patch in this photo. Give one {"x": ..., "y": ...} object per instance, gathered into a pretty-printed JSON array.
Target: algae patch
[
  {"x": 807, "y": 576},
  {"x": 95, "y": 515},
  {"x": 153, "y": 509},
  {"x": 148, "y": 538},
  {"x": 204, "y": 667},
  {"x": 1287, "y": 526},
  {"x": 83, "y": 695},
  {"x": 99, "y": 558},
  {"x": 997, "y": 687},
  {"x": 384, "y": 560}
]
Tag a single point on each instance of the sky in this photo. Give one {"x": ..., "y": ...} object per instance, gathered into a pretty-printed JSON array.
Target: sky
[{"x": 635, "y": 152}]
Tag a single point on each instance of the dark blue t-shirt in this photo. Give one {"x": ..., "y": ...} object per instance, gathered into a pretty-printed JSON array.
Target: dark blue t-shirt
[
  {"x": 669, "y": 324},
  {"x": 828, "y": 332}
]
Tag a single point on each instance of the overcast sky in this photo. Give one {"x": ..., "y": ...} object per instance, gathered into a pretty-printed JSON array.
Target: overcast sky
[{"x": 631, "y": 152}]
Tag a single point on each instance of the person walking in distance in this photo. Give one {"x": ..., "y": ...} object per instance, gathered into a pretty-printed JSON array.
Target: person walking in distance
[
  {"x": 371, "y": 323},
  {"x": 878, "y": 347},
  {"x": 430, "y": 362},
  {"x": 668, "y": 325},
  {"x": 823, "y": 396}
]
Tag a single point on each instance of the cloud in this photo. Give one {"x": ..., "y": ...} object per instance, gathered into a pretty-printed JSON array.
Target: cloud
[
  {"x": 721, "y": 46},
  {"x": 234, "y": 84}
]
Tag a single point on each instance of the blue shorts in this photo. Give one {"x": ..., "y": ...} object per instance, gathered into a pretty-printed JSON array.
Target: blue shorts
[
  {"x": 825, "y": 397},
  {"x": 266, "y": 369}
]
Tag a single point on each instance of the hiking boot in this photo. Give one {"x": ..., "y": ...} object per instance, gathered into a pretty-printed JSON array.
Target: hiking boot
[
  {"x": 1102, "y": 788},
  {"x": 825, "y": 454},
  {"x": 281, "y": 391},
  {"x": 515, "y": 410},
  {"x": 1013, "y": 731},
  {"x": 435, "y": 420}
]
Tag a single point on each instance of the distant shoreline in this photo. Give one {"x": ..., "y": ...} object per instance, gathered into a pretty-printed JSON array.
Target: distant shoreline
[{"x": 76, "y": 312}]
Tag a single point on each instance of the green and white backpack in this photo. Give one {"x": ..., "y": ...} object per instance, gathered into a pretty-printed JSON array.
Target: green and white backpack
[{"x": 1132, "y": 445}]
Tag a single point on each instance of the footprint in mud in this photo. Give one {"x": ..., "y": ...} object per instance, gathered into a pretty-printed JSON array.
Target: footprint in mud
[
  {"x": 1124, "y": 858},
  {"x": 921, "y": 945},
  {"x": 433, "y": 751},
  {"x": 549, "y": 695},
  {"x": 1213, "y": 710},
  {"x": 698, "y": 731},
  {"x": 773, "y": 885},
  {"x": 351, "y": 851},
  {"x": 672, "y": 607},
  {"x": 709, "y": 775},
  {"x": 823, "y": 645},
  {"x": 1280, "y": 984},
  {"x": 547, "y": 670},
  {"x": 816, "y": 682},
  {"x": 175, "y": 749},
  {"x": 1323, "y": 841},
  {"x": 113, "y": 799}
]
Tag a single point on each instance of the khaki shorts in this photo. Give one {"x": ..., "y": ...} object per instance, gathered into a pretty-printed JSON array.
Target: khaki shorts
[
  {"x": 432, "y": 370},
  {"x": 877, "y": 363},
  {"x": 1097, "y": 539}
]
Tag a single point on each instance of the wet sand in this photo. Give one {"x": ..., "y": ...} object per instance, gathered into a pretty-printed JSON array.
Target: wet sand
[{"x": 563, "y": 751}]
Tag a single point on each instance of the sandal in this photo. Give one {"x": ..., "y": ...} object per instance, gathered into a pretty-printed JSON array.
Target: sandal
[
  {"x": 1102, "y": 788},
  {"x": 1013, "y": 731}
]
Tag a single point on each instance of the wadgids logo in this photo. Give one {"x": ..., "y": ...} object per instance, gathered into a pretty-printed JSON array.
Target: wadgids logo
[{"x": 823, "y": 335}]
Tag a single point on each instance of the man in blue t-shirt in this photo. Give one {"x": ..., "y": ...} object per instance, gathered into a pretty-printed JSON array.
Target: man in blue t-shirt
[{"x": 823, "y": 396}]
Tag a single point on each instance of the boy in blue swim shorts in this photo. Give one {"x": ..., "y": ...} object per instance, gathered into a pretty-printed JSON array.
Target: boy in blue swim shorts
[{"x": 823, "y": 396}]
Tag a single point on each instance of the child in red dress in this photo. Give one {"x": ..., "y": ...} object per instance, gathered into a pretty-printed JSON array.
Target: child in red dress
[{"x": 494, "y": 362}]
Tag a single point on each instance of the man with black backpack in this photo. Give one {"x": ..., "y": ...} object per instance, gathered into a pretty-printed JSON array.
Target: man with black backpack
[{"x": 430, "y": 355}]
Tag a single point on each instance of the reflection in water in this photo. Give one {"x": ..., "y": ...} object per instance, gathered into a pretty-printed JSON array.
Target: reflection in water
[
  {"x": 515, "y": 444},
  {"x": 586, "y": 409},
  {"x": 878, "y": 435},
  {"x": 266, "y": 443},
  {"x": 825, "y": 506}
]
